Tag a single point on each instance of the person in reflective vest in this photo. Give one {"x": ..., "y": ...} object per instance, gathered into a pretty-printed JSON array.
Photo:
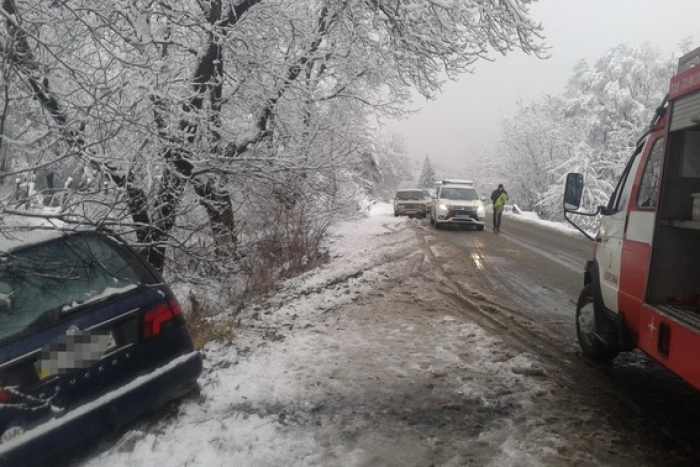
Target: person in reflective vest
[{"x": 499, "y": 198}]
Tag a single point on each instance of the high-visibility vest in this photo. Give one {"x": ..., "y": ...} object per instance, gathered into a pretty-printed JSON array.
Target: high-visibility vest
[{"x": 500, "y": 202}]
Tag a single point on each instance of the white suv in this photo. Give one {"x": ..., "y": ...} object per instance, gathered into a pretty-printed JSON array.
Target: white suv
[{"x": 457, "y": 202}]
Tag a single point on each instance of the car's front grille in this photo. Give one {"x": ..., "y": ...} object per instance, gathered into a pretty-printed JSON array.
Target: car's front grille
[{"x": 458, "y": 212}]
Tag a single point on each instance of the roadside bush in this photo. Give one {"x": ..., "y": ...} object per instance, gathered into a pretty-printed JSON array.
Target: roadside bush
[
  {"x": 277, "y": 241},
  {"x": 204, "y": 326},
  {"x": 281, "y": 231},
  {"x": 287, "y": 242}
]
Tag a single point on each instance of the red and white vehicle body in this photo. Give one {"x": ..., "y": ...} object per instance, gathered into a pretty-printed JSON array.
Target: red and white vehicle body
[{"x": 642, "y": 287}]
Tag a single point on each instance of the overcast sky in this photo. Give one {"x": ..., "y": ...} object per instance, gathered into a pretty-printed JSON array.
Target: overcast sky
[{"x": 466, "y": 117}]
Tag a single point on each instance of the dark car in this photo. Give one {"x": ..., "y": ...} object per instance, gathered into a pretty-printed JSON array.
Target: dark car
[{"x": 90, "y": 339}]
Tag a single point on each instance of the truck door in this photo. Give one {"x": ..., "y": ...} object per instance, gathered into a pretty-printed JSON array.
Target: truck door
[
  {"x": 636, "y": 250},
  {"x": 611, "y": 233}
]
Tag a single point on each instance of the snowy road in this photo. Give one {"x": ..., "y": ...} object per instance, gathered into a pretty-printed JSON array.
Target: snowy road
[
  {"x": 537, "y": 273},
  {"x": 417, "y": 347},
  {"x": 534, "y": 268}
]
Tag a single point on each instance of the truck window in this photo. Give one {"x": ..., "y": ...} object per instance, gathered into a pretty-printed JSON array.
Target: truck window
[
  {"x": 621, "y": 195},
  {"x": 691, "y": 154},
  {"x": 646, "y": 198}
]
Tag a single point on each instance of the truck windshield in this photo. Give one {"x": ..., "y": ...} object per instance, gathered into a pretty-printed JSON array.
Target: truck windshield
[{"x": 459, "y": 194}]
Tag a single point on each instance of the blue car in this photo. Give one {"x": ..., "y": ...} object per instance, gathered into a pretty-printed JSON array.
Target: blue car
[{"x": 90, "y": 339}]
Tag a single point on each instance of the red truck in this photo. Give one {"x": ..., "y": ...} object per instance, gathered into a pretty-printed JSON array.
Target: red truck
[{"x": 642, "y": 286}]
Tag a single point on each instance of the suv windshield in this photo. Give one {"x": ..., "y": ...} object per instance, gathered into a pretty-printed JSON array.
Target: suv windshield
[
  {"x": 39, "y": 285},
  {"x": 459, "y": 194},
  {"x": 403, "y": 195}
]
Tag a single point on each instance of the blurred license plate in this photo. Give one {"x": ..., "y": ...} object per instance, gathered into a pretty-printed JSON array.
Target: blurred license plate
[
  {"x": 462, "y": 216},
  {"x": 73, "y": 351}
]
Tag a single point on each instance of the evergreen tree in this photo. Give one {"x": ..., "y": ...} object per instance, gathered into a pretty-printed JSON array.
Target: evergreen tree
[{"x": 427, "y": 174}]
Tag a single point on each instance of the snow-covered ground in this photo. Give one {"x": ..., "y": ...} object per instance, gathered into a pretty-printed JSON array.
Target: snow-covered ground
[{"x": 320, "y": 374}]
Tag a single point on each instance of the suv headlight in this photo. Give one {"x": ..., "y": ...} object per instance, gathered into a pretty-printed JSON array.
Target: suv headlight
[
  {"x": 480, "y": 208},
  {"x": 443, "y": 206}
]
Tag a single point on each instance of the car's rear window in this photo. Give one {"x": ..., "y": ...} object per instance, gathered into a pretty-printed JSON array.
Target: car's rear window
[
  {"x": 409, "y": 195},
  {"x": 42, "y": 284}
]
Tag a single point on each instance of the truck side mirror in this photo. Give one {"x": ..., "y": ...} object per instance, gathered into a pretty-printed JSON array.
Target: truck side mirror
[{"x": 573, "y": 191}]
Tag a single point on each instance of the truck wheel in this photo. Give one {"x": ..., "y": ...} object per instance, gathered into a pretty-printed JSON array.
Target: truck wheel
[
  {"x": 591, "y": 346},
  {"x": 396, "y": 214}
]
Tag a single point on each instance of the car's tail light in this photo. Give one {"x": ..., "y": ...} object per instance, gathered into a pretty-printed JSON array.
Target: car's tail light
[
  {"x": 6, "y": 397},
  {"x": 161, "y": 317}
]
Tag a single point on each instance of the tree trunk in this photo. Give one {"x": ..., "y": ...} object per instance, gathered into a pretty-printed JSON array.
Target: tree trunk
[{"x": 217, "y": 202}]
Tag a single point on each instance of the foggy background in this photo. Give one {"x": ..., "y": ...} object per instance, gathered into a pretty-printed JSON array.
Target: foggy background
[{"x": 464, "y": 121}]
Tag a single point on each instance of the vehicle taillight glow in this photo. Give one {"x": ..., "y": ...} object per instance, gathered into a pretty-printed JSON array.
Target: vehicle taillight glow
[
  {"x": 156, "y": 318},
  {"x": 6, "y": 397}
]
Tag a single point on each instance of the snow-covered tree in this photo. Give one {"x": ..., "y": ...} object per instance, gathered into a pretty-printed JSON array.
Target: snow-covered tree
[
  {"x": 608, "y": 107},
  {"x": 165, "y": 111},
  {"x": 393, "y": 163},
  {"x": 592, "y": 128},
  {"x": 532, "y": 142},
  {"x": 427, "y": 174}
]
